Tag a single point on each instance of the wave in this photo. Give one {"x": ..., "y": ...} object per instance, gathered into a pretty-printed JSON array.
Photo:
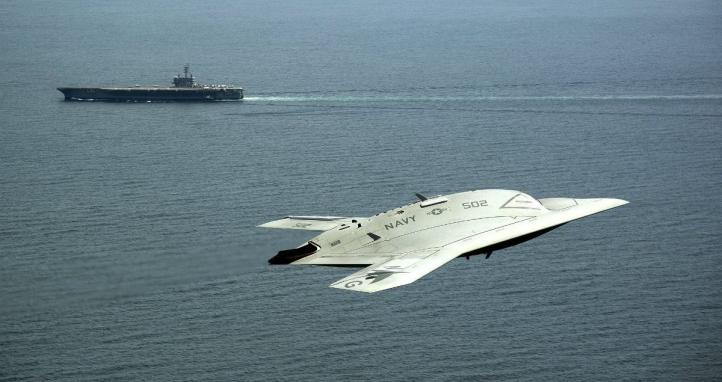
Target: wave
[{"x": 376, "y": 98}]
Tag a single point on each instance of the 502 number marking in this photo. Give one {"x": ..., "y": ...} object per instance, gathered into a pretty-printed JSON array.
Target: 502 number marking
[{"x": 474, "y": 204}]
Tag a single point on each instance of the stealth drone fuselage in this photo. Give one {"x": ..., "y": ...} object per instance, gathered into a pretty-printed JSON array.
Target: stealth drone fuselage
[{"x": 405, "y": 243}]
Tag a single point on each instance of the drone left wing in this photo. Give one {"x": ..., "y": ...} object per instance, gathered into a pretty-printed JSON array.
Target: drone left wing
[{"x": 309, "y": 223}]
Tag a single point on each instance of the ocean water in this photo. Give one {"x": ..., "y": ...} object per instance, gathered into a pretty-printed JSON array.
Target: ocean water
[{"x": 128, "y": 240}]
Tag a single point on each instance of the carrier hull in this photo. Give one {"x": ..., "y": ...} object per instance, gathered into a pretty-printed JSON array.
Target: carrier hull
[{"x": 145, "y": 94}]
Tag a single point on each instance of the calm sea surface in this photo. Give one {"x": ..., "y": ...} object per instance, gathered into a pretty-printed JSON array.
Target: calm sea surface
[{"x": 128, "y": 240}]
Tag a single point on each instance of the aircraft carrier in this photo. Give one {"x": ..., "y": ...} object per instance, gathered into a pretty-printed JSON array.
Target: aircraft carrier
[{"x": 184, "y": 88}]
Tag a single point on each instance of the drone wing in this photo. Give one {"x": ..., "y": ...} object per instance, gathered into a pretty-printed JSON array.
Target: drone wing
[
  {"x": 397, "y": 271},
  {"x": 309, "y": 223}
]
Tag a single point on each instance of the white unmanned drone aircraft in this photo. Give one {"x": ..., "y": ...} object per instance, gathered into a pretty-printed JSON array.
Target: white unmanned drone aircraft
[{"x": 401, "y": 245}]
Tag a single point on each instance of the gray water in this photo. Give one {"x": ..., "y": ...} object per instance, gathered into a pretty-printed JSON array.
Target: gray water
[{"x": 128, "y": 246}]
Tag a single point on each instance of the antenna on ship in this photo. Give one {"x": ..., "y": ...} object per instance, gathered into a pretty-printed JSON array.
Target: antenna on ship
[{"x": 185, "y": 70}]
